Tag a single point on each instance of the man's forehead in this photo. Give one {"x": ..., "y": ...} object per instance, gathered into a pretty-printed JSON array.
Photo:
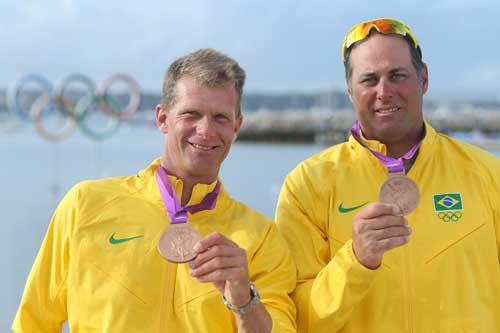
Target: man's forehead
[
  {"x": 190, "y": 85},
  {"x": 381, "y": 51},
  {"x": 192, "y": 94}
]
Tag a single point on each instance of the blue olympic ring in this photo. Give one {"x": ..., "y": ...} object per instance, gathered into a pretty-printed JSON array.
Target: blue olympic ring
[{"x": 14, "y": 94}]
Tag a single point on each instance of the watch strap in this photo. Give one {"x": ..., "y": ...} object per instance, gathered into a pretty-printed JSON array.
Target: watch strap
[{"x": 254, "y": 300}]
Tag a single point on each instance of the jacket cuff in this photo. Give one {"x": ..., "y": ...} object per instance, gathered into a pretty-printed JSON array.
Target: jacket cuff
[{"x": 349, "y": 263}]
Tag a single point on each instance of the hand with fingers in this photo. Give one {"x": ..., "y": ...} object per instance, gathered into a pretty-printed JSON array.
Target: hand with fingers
[
  {"x": 222, "y": 262},
  {"x": 376, "y": 229}
]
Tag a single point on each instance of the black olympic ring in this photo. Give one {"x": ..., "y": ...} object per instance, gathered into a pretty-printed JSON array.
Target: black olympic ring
[
  {"x": 450, "y": 216},
  {"x": 73, "y": 109}
]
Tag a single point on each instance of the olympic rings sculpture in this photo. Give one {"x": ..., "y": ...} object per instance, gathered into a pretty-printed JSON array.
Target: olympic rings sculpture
[
  {"x": 73, "y": 109},
  {"x": 450, "y": 216}
]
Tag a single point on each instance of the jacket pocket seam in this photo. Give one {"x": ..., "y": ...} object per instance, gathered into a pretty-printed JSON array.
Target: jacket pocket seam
[
  {"x": 458, "y": 240},
  {"x": 121, "y": 283},
  {"x": 197, "y": 297}
]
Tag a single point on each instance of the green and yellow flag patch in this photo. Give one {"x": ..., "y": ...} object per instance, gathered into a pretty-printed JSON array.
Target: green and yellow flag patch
[{"x": 447, "y": 202}]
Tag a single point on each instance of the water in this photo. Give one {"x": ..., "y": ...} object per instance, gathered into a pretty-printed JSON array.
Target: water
[{"x": 36, "y": 174}]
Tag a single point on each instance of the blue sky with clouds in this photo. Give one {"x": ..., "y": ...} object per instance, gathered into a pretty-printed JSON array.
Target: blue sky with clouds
[{"x": 283, "y": 45}]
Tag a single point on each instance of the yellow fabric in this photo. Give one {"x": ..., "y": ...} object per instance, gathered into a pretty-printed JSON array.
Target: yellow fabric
[
  {"x": 447, "y": 279},
  {"x": 128, "y": 287}
]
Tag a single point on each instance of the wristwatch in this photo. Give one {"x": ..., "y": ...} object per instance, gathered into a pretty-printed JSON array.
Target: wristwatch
[{"x": 254, "y": 300}]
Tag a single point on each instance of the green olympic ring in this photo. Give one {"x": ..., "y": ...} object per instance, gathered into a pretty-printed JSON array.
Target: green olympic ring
[{"x": 450, "y": 216}]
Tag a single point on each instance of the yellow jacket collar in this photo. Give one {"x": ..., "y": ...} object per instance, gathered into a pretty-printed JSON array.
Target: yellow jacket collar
[
  {"x": 148, "y": 178},
  {"x": 376, "y": 145}
]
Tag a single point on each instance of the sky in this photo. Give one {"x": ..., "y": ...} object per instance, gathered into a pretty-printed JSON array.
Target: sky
[{"x": 283, "y": 45}]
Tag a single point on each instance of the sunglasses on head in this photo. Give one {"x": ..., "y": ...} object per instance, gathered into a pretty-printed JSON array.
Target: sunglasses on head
[{"x": 384, "y": 26}]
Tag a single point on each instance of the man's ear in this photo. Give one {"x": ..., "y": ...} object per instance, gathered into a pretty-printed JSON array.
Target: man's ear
[
  {"x": 424, "y": 78},
  {"x": 237, "y": 126},
  {"x": 349, "y": 91},
  {"x": 161, "y": 116}
]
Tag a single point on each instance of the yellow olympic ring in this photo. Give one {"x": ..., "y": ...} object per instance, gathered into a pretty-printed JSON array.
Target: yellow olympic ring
[
  {"x": 450, "y": 216},
  {"x": 66, "y": 124}
]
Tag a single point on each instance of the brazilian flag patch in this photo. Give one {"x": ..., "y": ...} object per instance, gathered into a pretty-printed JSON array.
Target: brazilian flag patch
[{"x": 448, "y": 202}]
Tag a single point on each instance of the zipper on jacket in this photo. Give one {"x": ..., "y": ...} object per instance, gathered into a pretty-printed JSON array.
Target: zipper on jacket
[
  {"x": 167, "y": 292},
  {"x": 163, "y": 303},
  {"x": 408, "y": 287}
]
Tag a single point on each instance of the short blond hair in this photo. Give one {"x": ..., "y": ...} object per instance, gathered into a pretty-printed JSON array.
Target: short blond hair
[{"x": 208, "y": 67}]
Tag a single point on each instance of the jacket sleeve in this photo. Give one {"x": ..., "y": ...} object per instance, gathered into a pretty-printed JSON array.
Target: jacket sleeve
[
  {"x": 329, "y": 284},
  {"x": 491, "y": 170},
  {"x": 495, "y": 200},
  {"x": 496, "y": 216},
  {"x": 43, "y": 304},
  {"x": 273, "y": 271}
]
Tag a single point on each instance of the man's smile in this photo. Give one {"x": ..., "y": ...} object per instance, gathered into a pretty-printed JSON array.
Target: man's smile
[
  {"x": 387, "y": 110},
  {"x": 203, "y": 147}
]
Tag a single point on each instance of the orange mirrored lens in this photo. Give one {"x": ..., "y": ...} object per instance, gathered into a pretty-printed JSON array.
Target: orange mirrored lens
[{"x": 384, "y": 26}]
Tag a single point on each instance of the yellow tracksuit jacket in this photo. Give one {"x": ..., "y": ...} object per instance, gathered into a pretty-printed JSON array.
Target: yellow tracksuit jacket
[
  {"x": 446, "y": 279},
  {"x": 98, "y": 285}
]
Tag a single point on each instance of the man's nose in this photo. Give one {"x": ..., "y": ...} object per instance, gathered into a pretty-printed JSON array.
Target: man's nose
[
  {"x": 205, "y": 127},
  {"x": 385, "y": 90}
]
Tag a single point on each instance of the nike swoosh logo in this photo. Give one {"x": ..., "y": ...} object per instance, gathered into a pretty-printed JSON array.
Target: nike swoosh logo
[
  {"x": 349, "y": 209},
  {"x": 113, "y": 240}
]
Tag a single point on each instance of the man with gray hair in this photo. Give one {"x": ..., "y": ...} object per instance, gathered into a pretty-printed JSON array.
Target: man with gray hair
[{"x": 166, "y": 250}]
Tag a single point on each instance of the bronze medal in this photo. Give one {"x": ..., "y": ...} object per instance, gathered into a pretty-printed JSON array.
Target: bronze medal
[
  {"x": 402, "y": 191},
  {"x": 176, "y": 244}
]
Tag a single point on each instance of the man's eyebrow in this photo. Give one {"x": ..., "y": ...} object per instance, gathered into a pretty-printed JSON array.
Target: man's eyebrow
[
  {"x": 367, "y": 74},
  {"x": 397, "y": 69}
]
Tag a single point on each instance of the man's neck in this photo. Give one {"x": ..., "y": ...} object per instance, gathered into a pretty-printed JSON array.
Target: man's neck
[
  {"x": 400, "y": 148},
  {"x": 188, "y": 182},
  {"x": 187, "y": 190}
]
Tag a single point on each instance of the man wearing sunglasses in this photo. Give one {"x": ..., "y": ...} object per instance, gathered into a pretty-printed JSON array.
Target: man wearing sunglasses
[{"x": 397, "y": 229}]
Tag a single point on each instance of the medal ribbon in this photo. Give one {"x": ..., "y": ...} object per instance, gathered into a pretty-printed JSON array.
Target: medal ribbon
[
  {"x": 177, "y": 212},
  {"x": 392, "y": 164}
]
